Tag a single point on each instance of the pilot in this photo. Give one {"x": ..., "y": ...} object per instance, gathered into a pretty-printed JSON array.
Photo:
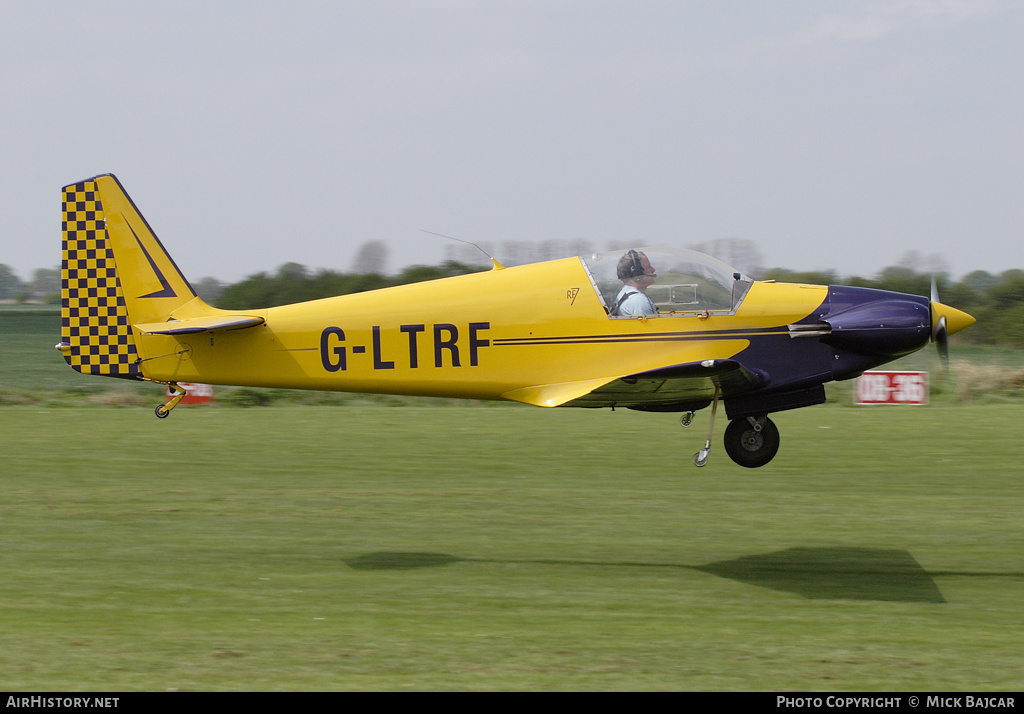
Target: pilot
[{"x": 636, "y": 272}]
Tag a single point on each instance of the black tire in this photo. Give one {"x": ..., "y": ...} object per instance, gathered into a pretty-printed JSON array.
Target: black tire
[
  {"x": 749, "y": 447},
  {"x": 162, "y": 413}
]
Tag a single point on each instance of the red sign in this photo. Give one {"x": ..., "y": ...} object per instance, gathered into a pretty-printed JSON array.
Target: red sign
[
  {"x": 892, "y": 388},
  {"x": 197, "y": 393}
]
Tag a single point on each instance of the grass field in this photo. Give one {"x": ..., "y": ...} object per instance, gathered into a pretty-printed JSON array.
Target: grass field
[{"x": 296, "y": 547}]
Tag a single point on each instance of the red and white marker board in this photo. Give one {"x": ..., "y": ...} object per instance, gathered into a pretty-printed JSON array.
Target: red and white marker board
[
  {"x": 891, "y": 388},
  {"x": 197, "y": 393}
]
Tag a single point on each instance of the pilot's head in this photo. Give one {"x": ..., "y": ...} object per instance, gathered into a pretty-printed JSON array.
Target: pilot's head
[{"x": 634, "y": 267}]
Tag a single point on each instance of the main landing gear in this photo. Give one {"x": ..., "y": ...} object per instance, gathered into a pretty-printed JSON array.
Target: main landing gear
[{"x": 750, "y": 441}]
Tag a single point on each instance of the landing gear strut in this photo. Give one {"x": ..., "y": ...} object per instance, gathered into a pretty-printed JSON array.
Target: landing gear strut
[{"x": 700, "y": 459}]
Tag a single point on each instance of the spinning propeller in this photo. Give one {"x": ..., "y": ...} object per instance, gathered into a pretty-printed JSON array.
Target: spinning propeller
[{"x": 945, "y": 321}]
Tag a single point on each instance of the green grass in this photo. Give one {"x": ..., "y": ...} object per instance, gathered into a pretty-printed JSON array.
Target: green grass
[
  {"x": 28, "y": 359},
  {"x": 298, "y": 547}
]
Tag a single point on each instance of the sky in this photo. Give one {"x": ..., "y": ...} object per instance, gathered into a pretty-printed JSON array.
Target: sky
[{"x": 830, "y": 134}]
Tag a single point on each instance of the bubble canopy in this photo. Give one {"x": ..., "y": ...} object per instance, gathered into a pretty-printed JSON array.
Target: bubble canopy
[{"x": 687, "y": 282}]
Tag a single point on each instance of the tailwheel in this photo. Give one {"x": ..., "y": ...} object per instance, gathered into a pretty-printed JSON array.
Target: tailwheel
[
  {"x": 177, "y": 392},
  {"x": 752, "y": 442}
]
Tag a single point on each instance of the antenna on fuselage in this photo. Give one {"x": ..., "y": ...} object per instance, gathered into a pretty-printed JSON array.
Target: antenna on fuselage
[{"x": 497, "y": 265}]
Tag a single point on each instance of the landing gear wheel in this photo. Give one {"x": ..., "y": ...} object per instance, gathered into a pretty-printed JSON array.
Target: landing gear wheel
[
  {"x": 752, "y": 444},
  {"x": 177, "y": 394}
]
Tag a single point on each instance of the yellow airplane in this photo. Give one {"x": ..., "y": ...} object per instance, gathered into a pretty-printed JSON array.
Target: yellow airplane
[{"x": 646, "y": 329}]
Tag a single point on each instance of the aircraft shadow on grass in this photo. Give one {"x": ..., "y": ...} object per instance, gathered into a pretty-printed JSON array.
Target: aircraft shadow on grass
[
  {"x": 815, "y": 573},
  {"x": 835, "y": 573}
]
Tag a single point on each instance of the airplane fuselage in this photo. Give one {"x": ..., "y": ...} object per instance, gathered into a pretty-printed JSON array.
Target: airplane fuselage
[{"x": 481, "y": 336}]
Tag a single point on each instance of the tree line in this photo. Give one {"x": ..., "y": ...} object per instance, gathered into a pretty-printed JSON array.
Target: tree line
[
  {"x": 295, "y": 283},
  {"x": 44, "y": 286}
]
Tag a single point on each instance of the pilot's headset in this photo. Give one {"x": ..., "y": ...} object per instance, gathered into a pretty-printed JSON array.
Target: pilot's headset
[{"x": 630, "y": 266}]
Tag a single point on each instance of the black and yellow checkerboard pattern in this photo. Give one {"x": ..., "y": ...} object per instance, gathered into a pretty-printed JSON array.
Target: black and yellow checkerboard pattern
[{"x": 94, "y": 318}]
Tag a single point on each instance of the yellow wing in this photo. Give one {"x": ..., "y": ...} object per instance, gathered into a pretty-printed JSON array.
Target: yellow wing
[{"x": 667, "y": 388}]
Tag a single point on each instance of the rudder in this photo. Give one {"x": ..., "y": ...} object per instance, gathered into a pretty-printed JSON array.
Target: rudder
[{"x": 114, "y": 273}]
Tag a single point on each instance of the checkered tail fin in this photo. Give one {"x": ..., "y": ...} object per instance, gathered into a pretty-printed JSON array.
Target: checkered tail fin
[{"x": 114, "y": 273}]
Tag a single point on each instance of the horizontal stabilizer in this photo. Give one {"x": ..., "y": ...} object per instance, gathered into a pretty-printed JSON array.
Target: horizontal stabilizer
[{"x": 200, "y": 324}]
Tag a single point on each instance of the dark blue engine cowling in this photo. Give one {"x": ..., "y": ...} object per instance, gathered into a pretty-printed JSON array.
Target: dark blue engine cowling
[
  {"x": 853, "y": 330},
  {"x": 870, "y": 327}
]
